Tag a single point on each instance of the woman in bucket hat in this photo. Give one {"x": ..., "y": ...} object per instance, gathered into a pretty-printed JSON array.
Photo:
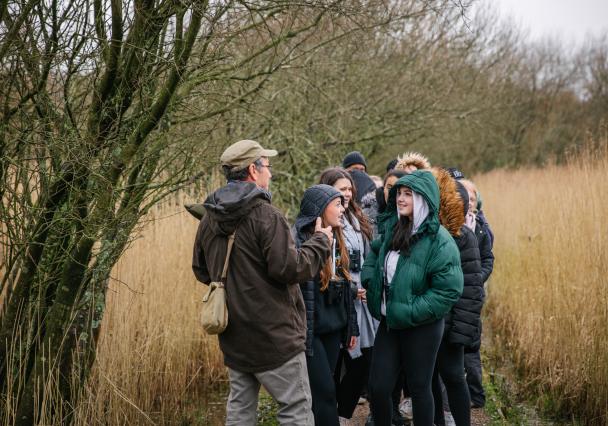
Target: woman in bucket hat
[
  {"x": 353, "y": 365},
  {"x": 330, "y": 313}
]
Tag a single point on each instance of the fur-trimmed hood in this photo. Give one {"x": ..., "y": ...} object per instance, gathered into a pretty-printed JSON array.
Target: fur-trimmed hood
[
  {"x": 412, "y": 159},
  {"x": 422, "y": 182},
  {"x": 451, "y": 205}
]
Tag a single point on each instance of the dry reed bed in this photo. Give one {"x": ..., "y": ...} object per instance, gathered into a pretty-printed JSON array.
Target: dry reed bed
[
  {"x": 548, "y": 301},
  {"x": 153, "y": 359},
  {"x": 548, "y": 296}
]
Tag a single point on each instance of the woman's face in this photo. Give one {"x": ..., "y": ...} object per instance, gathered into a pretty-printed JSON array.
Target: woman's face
[
  {"x": 332, "y": 215},
  {"x": 472, "y": 197},
  {"x": 346, "y": 188},
  {"x": 390, "y": 182},
  {"x": 472, "y": 201},
  {"x": 405, "y": 202}
]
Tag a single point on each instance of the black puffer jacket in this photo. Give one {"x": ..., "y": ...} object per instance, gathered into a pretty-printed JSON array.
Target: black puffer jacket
[
  {"x": 313, "y": 203},
  {"x": 462, "y": 324},
  {"x": 484, "y": 238}
]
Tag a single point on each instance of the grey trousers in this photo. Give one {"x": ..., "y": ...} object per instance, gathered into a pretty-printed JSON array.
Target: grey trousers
[{"x": 287, "y": 384}]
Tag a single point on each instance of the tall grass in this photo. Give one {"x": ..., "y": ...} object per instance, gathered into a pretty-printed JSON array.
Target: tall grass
[
  {"x": 548, "y": 296},
  {"x": 154, "y": 361},
  {"x": 548, "y": 303}
]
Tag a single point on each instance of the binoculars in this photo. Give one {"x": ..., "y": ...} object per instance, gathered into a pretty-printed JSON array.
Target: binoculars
[
  {"x": 337, "y": 287},
  {"x": 354, "y": 260}
]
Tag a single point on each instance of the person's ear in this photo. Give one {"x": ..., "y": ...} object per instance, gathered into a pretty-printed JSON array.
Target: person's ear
[{"x": 252, "y": 169}]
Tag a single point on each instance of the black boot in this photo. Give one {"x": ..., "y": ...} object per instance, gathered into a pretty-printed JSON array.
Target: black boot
[{"x": 397, "y": 418}]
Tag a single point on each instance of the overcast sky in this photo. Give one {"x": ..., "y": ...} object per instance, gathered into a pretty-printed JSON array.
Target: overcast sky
[{"x": 571, "y": 20}]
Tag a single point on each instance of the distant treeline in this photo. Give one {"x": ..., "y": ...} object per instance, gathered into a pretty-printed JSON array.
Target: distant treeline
[{"x": 466, "y": 91}]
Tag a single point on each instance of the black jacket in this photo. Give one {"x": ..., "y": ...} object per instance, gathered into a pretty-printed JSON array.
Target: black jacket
[
  {"x": 484, "y": 238},
  {"x": 462, "y": 324},
  {"x": 312, "y": 297}
]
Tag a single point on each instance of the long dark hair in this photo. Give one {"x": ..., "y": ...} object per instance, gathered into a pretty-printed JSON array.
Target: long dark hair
[
  {"x": 330, "y": 177},
  {"x": 342, "y": 267},
  {"x": 402, "y": 235}
]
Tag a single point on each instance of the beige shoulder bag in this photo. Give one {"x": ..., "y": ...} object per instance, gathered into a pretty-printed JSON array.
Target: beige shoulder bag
[{"x": 214, "y": 314}]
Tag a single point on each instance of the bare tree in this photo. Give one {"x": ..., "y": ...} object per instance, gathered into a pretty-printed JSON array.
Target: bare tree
[{"x": 95, "y": 96}]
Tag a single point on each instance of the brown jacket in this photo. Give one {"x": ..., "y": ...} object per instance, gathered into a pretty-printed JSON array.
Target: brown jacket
[{"x": 266, "y": 316}]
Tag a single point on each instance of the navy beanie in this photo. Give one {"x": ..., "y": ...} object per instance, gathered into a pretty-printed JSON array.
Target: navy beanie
[{"x": 354, "y": 157}]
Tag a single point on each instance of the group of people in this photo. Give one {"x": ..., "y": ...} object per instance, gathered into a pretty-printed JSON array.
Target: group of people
[{"x": 375, "y": 291}]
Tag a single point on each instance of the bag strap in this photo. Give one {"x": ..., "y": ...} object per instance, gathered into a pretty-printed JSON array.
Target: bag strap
[{"x": 228, "y": 252}]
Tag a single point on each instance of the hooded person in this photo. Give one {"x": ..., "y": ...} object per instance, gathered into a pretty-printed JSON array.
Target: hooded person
[
  {"x": 462, "y": 321},
  {"x": 330, "y": 311},
  {"x": 413, "y": 278},
  {"x": 265, "y": 339},
  {"x": 450, "y": 208},
  {"x": 363, "y": 183}
]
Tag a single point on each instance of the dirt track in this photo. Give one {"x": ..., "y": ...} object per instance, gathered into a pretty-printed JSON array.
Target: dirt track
[{"x": 478, "y": 416}]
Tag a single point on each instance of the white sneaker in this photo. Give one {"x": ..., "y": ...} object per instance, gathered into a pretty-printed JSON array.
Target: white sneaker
[
  {"x": 406, "y": 409},
  {"x": 449, "y": 420}
]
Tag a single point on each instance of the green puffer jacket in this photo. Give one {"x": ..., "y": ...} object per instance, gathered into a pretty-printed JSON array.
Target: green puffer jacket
[{"x": 428, "y": 280}]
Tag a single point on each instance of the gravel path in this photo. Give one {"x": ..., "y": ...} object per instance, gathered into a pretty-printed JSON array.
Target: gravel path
[{"x": 478, "y": 416}]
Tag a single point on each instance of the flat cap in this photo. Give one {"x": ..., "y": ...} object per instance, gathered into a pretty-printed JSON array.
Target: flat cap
[{"x": 242, "y": 153}]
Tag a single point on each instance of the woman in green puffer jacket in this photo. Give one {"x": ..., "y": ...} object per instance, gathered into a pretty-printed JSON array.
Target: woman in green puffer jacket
[{"x": 413, "y": 278}]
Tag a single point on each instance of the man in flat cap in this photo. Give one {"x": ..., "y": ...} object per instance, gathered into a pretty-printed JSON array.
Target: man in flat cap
[{"x": 264, "y": 342}]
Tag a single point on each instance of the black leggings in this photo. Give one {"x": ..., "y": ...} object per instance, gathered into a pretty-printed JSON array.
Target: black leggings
[
  {"x": 472, "y": 365},
  {"x": 414, "y": 350},
  {"x": 450, "y": 365},
  {"x": 400, "y": 386},
  {"x": 353, "y": 381},
  {"x": 321, "y": 366}
]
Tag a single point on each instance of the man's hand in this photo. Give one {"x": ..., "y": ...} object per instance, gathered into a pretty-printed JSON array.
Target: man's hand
[
  {"x": 362, "y": 294},
  {"x": 327, "y": 231}
]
